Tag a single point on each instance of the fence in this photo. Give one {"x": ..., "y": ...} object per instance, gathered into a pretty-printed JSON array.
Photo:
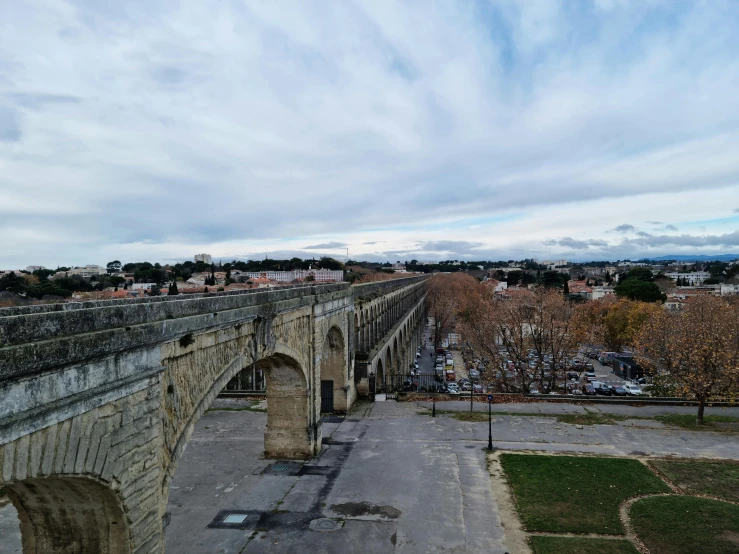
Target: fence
[
  {"x": 422, "y": 382},
  {"x": 249, "y": 379}
]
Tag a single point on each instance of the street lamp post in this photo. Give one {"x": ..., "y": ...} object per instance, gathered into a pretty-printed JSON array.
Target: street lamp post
[{"x": 490, "y": 423}]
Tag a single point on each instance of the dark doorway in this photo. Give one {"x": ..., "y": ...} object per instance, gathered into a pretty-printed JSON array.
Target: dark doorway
[{"x": 327, "y": 397}]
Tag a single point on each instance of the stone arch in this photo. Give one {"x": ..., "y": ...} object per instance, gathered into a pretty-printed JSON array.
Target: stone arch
[
  {"x": 334, "y": 369},
  {"x": 379, "y": 374},
  {"x": 70, "y": 514},
  {"x": 286, "y": 384},
  {"x": 364, "y": 333},
  {"x": 396, "y": 365},
  {"x": 357, "y": 331}
]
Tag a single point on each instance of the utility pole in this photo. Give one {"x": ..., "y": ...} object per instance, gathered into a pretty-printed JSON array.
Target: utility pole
[{"x": 490, "y": 423}]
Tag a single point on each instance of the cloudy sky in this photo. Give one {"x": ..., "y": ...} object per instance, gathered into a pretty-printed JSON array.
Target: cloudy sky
[{"x": 155, "y": 129}]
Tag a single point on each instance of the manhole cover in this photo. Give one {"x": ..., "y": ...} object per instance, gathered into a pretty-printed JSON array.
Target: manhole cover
[{"x": 325, "y": 525}]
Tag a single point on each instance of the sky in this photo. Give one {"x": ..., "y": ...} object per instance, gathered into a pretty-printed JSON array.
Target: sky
[{"x": 488, "y": 129}]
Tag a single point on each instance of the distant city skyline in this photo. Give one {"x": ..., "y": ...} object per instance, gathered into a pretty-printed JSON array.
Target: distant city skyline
[{"x": 470, "y": 130}]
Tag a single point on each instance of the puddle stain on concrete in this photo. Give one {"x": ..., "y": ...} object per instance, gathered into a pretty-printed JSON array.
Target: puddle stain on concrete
[{"x": 360, "y": 509}]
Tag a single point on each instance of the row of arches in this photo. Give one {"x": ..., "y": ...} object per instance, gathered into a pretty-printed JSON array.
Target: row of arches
[
  {"x": 373, "y": 320},
  {"x": 396, "y": 358}
]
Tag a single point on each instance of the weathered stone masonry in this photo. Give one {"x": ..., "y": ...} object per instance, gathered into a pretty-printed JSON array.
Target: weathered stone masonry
[{"x": 98, "y": 399}]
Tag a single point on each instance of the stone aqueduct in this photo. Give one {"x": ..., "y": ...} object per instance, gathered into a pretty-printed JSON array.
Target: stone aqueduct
[{"x": 98, "y": 399}]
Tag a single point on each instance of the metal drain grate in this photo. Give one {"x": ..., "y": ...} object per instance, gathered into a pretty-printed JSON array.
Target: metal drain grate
[{"x": 283, "y": 468}]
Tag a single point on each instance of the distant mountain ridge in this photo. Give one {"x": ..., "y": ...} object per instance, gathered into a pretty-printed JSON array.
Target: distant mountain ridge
[{"x": 701, "y": 258}]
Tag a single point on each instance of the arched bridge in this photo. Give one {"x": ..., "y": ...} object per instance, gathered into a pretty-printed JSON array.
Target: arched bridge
[{"x": 99, "y": 399}]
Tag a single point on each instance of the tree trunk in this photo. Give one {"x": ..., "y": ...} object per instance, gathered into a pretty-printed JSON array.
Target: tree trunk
[{"x": 701, "y": 407}]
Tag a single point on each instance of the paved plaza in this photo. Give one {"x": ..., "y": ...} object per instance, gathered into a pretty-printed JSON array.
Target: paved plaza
[{"x": 390, "y": 478}]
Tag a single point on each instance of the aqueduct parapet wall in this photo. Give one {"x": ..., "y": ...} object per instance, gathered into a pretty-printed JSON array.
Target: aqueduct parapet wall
[{"x": 98, "y": 399}]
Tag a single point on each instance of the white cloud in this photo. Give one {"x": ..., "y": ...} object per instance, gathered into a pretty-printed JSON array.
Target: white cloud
[{"x": 154, "y": 130}]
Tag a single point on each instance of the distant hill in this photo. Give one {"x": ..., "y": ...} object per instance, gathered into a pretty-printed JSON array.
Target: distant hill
[{"x": 702, "y": 258}]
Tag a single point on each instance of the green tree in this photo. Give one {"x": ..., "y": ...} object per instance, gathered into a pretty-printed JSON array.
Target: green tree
[
  {"x": 13, "y": 283},
  {"x": 173, "y": 289},
  {"x": 114, "y": 266},
  {"x": 635, "y": 289},
  {"x": 552, "y": 279},
  {"x": 330, "y": 263},
  {"x": 566, "y": 289},
  {"x": 640, "y": 273}
]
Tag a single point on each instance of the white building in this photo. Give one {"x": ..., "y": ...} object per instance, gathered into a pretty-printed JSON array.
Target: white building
[
  {"x": 88, "y": 271},
  {"x": 728, "y": 290},
  {"x": 692, "y": 279},
  {"x": 320, "y": 275},
  {"x": 32, "y": 268},
  {"x": 142, "y": 286},
  {"x": 205, "y": 258},
  {"x": 558, "y": 264},
  {"x": 600, "y": 292}
]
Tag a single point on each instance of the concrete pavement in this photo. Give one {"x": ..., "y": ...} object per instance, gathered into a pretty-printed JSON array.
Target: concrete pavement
[{"x": 389, "y": 479}]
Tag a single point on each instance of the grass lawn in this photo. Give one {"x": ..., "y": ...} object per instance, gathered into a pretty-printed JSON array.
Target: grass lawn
[
  {"x": 575, "y": 494},
  {"x": 717, "y": 478},
  {"x": 568, "y": 545},
  {"x": 589, "y": 418},
  {"x": 686, "y": 525},
  {"x": 687, "y": 421}
]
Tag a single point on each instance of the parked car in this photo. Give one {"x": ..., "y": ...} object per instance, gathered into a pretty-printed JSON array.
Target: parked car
[
  {"x": 604, "y": 390},
  {"x": 452, "y": 388},
  {"x": 588, "y": 389},
  {"x": 590, "y": 378},
  {"x": 619, "y": 390},
  {"x": 632, "y": 389},
  {"x": 478, "y": 388}
]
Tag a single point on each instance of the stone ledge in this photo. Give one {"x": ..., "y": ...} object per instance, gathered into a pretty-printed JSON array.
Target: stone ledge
[{"x": 27, "y": 422}]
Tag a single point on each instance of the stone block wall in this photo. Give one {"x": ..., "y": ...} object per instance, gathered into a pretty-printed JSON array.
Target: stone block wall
[{"x": 103, "y": 461}]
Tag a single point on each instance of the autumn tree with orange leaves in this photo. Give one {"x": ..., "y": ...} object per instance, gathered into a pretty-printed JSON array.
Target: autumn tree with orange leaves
[
  {"x": 615, "y": 322},
  {"x": 541, "y": 322},
  {"x": 697, "y": 348},
  {"x": 450, "y": 296}
]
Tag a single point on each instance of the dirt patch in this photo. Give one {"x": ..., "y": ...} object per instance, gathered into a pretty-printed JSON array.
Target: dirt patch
[
  {"x": 515, "y": 536},
  {"x": 731, "y": 536},
  {"x": 360, "y": 509}
]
